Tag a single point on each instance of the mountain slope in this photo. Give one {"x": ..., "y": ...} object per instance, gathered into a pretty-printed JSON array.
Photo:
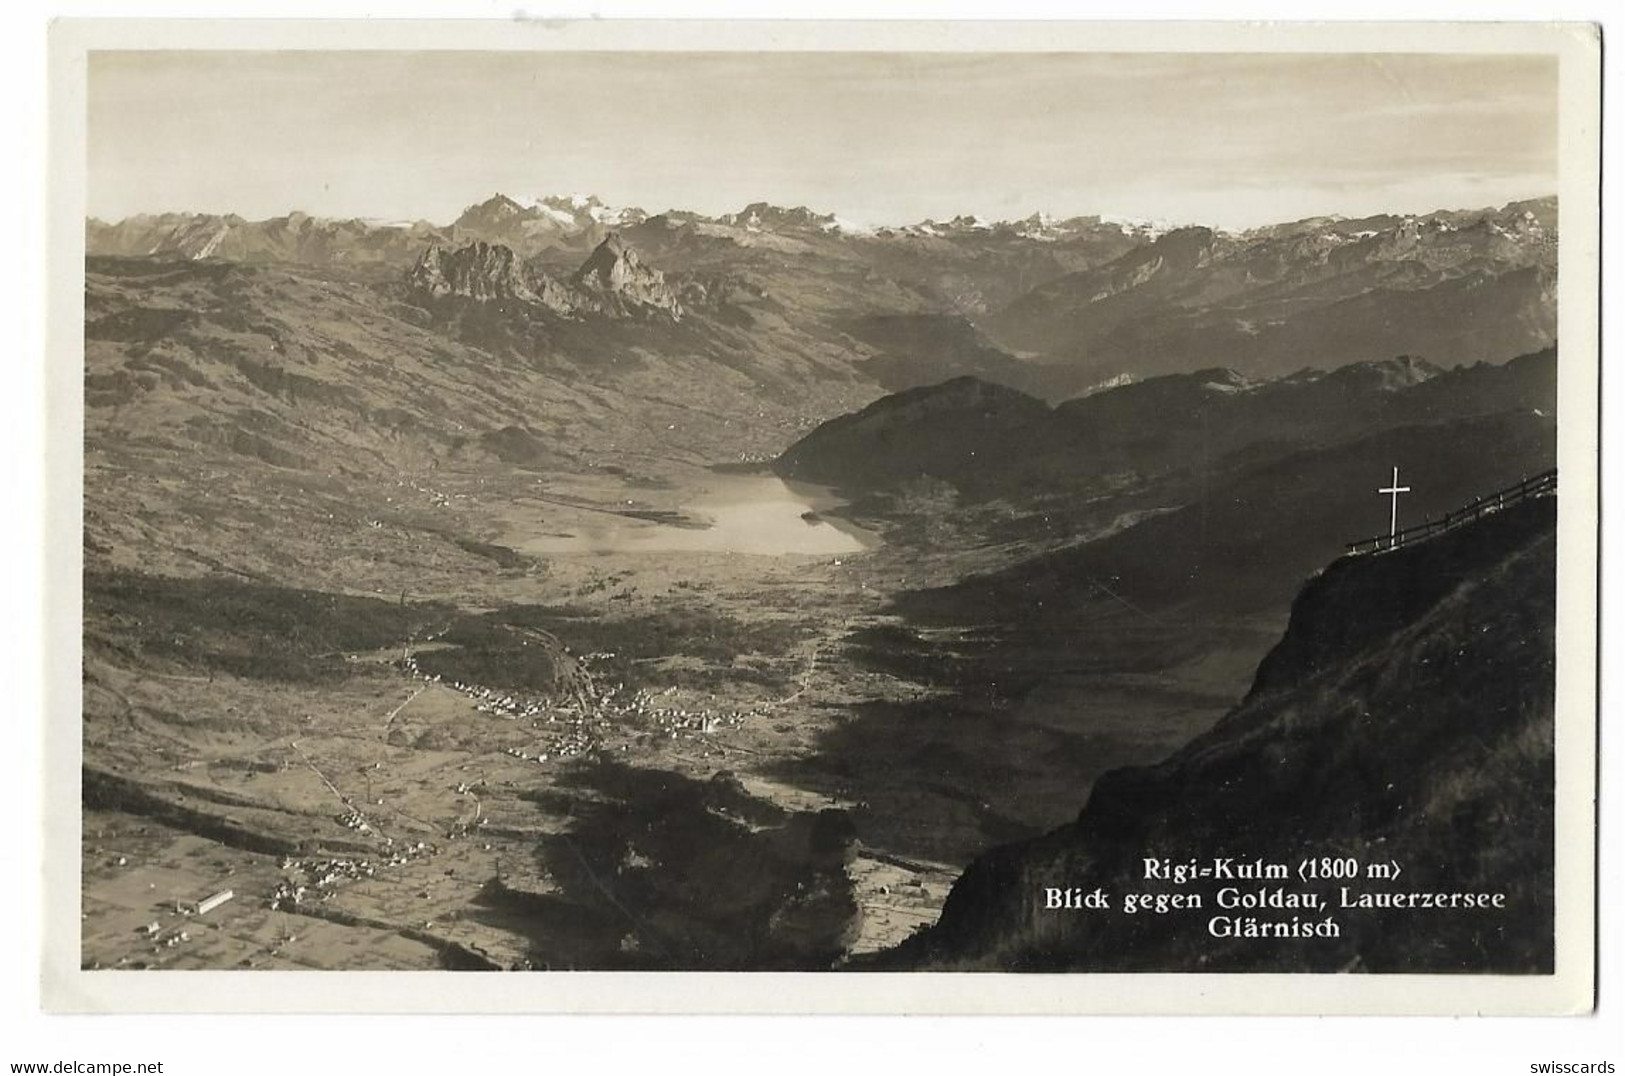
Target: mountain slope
[
  {"x": 935, "y": 431},
  {"x": 1452, "y": 286},
  {"x": 1197, "y": 425},
  {"x": 1239, "y": 544},
  {"x": 924, "y": 349},
  {"x": 303, "y": 370},
  {"x": 1051, "y": 307},
  {"x": 1406, "y": 717}
]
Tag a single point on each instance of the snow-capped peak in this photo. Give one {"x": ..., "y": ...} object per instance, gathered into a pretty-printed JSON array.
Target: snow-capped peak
[
  {"x": 580, "y": 211},
  {"x": 842, "y": 226},
  {"x": 1148, "y": 227},
  {"x": 558, "y": 216}
]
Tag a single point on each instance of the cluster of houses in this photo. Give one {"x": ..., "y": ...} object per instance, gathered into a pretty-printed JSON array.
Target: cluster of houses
[
  {"x": 318, "y": 879},
  {"x": 676, "y": 719},
  {"x": 288, "y": 894},
  {"x": 586, "y": 715},
  {"x": 577, "y": 739},
  {"x": 598, "y": 708},
  {"x": 502, "y": 706},
  {"x": 410, "y": 663},
  {"x": 354, "y": 819},
  {"x": 154, "y": 931},
  {"x": 485, "y": 700}
]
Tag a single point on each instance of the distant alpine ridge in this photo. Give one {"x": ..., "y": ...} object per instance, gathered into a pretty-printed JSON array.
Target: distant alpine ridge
[
  {"x": 1056, "y": 308},
  {"x": 582, "y": 221}
]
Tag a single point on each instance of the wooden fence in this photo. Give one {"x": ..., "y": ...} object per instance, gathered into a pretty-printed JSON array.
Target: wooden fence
[{"x": 1538, "y": 486}]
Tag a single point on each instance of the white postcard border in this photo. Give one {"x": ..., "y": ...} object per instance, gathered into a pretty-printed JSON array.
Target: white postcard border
[{"x": 1570, "y": 990}]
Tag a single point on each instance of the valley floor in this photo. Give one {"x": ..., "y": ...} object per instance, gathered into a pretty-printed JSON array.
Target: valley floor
[{"x": 401, "y": 740}]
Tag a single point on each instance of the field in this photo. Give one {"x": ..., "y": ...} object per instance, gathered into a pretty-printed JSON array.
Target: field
[{"x": 440, "y": 750}]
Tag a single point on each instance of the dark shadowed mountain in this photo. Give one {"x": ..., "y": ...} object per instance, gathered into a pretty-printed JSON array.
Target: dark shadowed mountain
[
  {"x": 1240, "y": 542},
  {"x": 1208, "y": 419},
  {"x": 1137, "y": 555},
  {"x": 1406, "y": 717},
  {"x": 991, "y": 442},
  {"x": 959, "y": 427}
]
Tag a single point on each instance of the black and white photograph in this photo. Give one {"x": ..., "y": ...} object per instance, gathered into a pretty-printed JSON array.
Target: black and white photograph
[{"x": 882, "y": 511}]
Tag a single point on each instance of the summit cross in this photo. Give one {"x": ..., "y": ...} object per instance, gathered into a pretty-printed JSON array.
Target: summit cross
[{"x": 1393, "y": 491}]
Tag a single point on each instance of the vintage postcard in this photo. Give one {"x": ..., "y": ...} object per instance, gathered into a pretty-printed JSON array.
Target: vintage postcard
[{"x": 1026, "y": 518}]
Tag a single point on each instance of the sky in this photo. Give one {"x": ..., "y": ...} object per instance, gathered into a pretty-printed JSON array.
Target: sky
[{"x": 1228, "y": 140}]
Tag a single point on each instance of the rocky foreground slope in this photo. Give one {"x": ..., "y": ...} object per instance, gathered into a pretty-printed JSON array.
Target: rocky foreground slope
[{"x": 1406, "y": 718}]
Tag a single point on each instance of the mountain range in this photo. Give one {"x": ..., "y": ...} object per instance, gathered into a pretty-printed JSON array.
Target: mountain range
[
  {"x": 1451, "y": 286},
  {"x": 1053, "y": 307},
  {"x": 990, "y": 441},
  {"x": 1097, "y": 461}
]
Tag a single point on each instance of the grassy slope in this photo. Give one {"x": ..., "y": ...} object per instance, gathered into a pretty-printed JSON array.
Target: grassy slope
[{"x": 1426, "y": 740}]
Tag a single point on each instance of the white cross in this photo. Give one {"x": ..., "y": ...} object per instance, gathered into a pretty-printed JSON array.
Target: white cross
[{"x": 1393, "y": 491}]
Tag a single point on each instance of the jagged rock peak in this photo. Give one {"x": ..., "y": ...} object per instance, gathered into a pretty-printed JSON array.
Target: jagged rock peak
[
  {"x": 486, "y": 272},
  {"x": 477, "y": 270},
  {"x": 614, "y": 267}
]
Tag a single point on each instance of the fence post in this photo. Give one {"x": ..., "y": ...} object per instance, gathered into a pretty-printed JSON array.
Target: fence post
[{"x": 1528, "y": 487}]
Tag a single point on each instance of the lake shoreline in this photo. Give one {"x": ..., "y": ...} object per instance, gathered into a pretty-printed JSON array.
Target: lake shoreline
[{"x": 755, "y": 514}]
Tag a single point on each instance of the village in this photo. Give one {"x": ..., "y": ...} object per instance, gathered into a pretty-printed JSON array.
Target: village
[
  {"x": 373, "y": 803},
  {"x": 436, "y": 808}
]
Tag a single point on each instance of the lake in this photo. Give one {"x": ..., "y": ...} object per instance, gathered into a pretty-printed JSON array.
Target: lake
[{"x": 756, "y": 514}]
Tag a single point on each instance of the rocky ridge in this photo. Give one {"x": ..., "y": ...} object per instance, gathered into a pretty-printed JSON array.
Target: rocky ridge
[{"x": 613, "y": 281}]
